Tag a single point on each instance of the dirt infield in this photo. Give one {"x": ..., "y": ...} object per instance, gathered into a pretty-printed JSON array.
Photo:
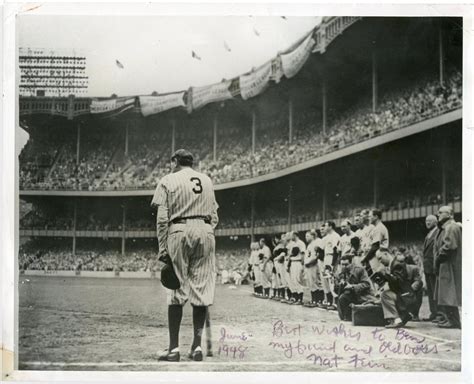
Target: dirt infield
[{"x": 70, "y": 323}]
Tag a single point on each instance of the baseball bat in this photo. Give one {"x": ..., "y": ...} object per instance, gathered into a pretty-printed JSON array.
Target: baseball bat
[{"x": 208, "y": 334}]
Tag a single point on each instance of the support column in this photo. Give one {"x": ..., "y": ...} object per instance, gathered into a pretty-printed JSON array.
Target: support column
[
  {"x": 324, "y": 105},
  {"x": 374, "y": 81},
  {"x": 290, "y": 207},
  {"x": 173, "y": 136},
  {"x": 254, "y": 129},
  {"x": 375, "y": 189},
  {"x": 444, "y": 160},
  {"x": 324, "y": 202},
  {"x": 126, "y": 138},
  {"x": 252, "y": 217},
  {"x": 214, "y": 142},
  {"x": 78, "y": 143},
  {"x": 74, "y": 226},
  {"x": 290, "y": 120},
  {"x": 124, "y": 219},
  {"x": 441, "y": 56}
]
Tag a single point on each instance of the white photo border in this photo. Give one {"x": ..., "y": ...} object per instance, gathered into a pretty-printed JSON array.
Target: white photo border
[{"x": 9, "y": 187}]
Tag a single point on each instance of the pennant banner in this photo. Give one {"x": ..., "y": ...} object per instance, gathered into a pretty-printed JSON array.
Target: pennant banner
[
  {"x": 292, "y": 62},
  {"x": 112, "y": 105},
  {"x": 277, "y": 70},
  {"x": 151, "y": 105},
  {"x": 200, "y": 96},
  {"x": 255, "y": 82}
]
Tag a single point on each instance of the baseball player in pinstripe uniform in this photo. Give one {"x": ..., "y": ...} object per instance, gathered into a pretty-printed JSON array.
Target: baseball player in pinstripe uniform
[
  {"x": 346, "y": 240},
  {"x": 266, "y": 267},
  {"x": 257, "y": 272},
  {"x": 332, "y": 248},
  {"x": 186, "y": 218},
  {"x": 278, "y": 259},
  {"x": 297, "y": 251},
  {"x": 286, "y": 269},
  {"x": 312, "y": 274},
  {"x": 367, "y": 227}
]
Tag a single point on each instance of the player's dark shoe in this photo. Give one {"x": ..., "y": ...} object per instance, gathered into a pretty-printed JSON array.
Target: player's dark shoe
[
  {"x": 449, "y": 325},
  {"x": 209, "y": 353},
  {"x": 169, "y": 356},
  {"x": 196, "y": 355},
  {"x": 395, "y": 324}
]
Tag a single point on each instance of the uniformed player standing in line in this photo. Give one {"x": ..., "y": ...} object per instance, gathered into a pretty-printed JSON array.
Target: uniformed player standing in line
[
  {"x": 257, "y": 273},
  {"x": 286, "y": 269},
  {"x": 186, "y": 219},
  {"x": 311, "y": 267},
  {"x": 332, "y": 248},
  {"x": 266, "y": 267},
  {"x": 278, "y": 266},
  {"x": 378, "y": 239},
  {"x": 346, "y": 240},
  {"x": 281, "y": 266},
  {"x": 358, "y": 223},
  {"x": 365, "y": 241},
  {"x": 297, "y": 251}
]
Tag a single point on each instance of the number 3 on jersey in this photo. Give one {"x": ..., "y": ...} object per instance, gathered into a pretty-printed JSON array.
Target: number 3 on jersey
[{"x": 197, "y": 185}]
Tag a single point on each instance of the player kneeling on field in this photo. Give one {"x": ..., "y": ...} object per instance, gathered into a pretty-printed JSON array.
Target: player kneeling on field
[{"x": 354, "y": 287}]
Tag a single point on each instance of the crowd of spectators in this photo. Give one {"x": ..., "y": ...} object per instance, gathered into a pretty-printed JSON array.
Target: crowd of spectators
[
  {"x": 397, "y": 109},
  {"x": 147, "y": 160},
  {"x": 57, "y": 259}
]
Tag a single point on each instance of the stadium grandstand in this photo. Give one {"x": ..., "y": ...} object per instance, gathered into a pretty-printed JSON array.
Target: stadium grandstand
[{"x": 371, "y": 119}]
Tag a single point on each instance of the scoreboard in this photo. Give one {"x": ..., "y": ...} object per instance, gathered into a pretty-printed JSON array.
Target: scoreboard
[{"x": 52, "y": 73}]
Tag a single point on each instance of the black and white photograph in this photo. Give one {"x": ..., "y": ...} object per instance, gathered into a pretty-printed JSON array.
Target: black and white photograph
[{"x": 239, "y": 193}]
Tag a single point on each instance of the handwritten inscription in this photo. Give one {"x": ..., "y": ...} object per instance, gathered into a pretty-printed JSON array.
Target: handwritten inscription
[
  {"x": 232, "y": 351},
  {"x": 328, "y": 347},
  {"x": 232, "y": 344},
  {"x": 331, "y": 347},
  {"x": 299, "y": 347},
  {"x": 227, "y": 336}
]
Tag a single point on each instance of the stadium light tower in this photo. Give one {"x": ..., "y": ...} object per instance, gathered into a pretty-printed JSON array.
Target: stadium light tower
[{"x": 52, "y": 73}]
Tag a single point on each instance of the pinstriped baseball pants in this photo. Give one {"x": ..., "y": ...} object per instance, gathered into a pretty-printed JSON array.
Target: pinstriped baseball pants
[{"x": 192, "y": 249}]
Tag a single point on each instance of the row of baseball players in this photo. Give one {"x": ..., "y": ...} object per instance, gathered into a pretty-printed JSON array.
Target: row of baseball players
[{"x": 294, "y": 265}]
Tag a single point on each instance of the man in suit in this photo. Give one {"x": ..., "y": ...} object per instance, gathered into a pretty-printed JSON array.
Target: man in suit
[
  {"x": 354, "y": 287},
  {"x": 448, "y": 265},
  {"x": 431, "y": 222}
]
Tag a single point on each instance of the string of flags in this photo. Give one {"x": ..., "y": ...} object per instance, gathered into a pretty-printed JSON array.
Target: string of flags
[{"x": 247, "y": 85}]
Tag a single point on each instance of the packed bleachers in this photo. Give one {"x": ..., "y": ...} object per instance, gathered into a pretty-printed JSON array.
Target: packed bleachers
[
  {"x": 398, "y": 109},
  {"x": 103, "y": 166},
  {"x": 58, "y": 258}
]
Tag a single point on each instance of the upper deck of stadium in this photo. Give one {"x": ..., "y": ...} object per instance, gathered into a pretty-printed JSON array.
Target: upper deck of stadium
[{"x": 365, "y": 82}]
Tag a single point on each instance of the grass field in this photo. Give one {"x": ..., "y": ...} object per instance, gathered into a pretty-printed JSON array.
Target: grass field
[{"x": 120, "y": 324}]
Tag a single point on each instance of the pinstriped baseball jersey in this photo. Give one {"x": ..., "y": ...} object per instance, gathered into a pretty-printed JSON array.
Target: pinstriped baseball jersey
[
  {"x": 192, "y": 250},
  {"x": 332, "y": 240},
  {"x": 365, "y": 241},
  {"x": 346, "y": 245},
  {"x": 187, "y": 193}
]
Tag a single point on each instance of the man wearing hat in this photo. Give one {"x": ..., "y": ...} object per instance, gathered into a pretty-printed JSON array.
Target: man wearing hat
[{"x": 186, "y": 218}]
